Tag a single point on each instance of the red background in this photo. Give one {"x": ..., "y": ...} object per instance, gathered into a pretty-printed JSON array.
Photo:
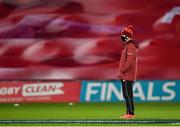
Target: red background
[{"x": 86, "y": 43}]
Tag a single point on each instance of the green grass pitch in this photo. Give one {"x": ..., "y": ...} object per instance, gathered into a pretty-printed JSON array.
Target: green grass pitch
[{"x": 88, "y": 111}]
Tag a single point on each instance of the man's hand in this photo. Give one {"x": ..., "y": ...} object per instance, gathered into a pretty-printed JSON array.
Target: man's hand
[
  {"x": 123, "y": 71},
  {"x": 120, "y": 74}
]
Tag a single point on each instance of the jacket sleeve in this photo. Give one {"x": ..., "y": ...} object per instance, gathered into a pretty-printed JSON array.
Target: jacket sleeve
[{"x": 131, "y": 58}]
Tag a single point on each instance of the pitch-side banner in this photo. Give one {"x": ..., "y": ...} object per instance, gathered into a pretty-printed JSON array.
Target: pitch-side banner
[
  {"x": 86, "y": 91},
  {"x": 23, "y": 92},
  {"x": 110, "y": 91}
]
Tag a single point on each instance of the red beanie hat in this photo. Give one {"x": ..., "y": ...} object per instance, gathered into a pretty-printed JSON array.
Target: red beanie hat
[{"x": 128, "y": 31}]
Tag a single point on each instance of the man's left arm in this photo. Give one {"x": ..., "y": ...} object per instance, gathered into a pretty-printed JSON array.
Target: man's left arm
[{"x": 131, "y": 58}]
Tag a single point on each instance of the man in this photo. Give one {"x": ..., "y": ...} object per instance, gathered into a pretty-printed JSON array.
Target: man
[{"x": 128, "y": 69}]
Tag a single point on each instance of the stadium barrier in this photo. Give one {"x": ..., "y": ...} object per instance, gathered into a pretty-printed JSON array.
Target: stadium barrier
[{"x": 86, "y": 91}]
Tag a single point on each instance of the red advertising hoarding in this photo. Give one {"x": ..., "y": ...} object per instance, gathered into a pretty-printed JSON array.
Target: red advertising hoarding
[{"x": 56, "y": 91}]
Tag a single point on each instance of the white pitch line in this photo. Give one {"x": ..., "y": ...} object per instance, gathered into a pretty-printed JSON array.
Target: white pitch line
[{"x": 90, "y": 121}]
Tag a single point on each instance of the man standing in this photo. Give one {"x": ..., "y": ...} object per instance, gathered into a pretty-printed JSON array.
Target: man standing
[{"x": 128, "y": 69}]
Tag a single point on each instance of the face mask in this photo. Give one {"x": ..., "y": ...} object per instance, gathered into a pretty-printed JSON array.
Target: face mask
[{"x": 124, "y": 38}]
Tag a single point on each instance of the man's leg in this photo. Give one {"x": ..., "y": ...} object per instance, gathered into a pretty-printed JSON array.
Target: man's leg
[{"x": 127, "y": 87}]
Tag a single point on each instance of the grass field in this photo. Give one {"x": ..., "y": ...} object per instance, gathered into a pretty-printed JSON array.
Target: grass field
[{"x": 81, "y": 113}]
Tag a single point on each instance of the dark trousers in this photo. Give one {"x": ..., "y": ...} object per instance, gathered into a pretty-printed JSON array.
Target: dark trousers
[{"x": 127, "y": 88}]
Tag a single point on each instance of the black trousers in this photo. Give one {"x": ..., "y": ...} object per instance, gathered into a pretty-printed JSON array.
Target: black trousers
[{"x": 127, "y": 88}]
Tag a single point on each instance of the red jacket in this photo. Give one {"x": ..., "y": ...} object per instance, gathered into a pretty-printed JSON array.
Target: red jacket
[{"x": 128, "y": 62}]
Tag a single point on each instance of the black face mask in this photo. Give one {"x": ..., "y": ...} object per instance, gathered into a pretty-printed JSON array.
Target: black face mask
[{"x": 124, "y": 38}]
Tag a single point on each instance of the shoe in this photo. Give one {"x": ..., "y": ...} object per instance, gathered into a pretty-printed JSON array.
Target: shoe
[{"x": 127, "y": 116}]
